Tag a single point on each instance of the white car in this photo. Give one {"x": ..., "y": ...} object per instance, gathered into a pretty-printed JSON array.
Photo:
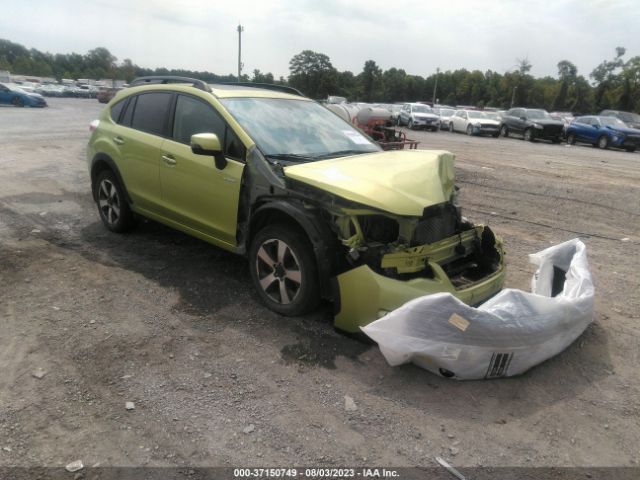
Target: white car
[
  {"x": 418, "y": 115},
  {"x": 473, "y": 122}
]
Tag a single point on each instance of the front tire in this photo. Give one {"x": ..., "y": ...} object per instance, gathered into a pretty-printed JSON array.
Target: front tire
[
  {"x": 112, "y": 205},
  {"x": 284, "y": 270},
  {"x": 571, "y": 139},
  {"x": 630, "y": 149},
  {"x": 504, "y": 131},
  {"x": 603, "y": 142},
  {"x": 17, "y": 102},
  {"x": 469, "y": 130},
  {"x": 451, "y": 127},
  {"x": 529, "y": 135},
  {"x": 410, "y": 124}
]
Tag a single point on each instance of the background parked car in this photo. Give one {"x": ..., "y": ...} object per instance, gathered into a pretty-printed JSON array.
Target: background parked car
[
  {"x": 13, "y": 95},
  {"x": 105, "y": 94},
  {"x": 418, "y": 115},
  {"x": 473, "y": 122},
  {"x": 603, "y": 132},
  {"x": 532, "y": 124},
  {"x": 445, "y": 117},
  {"x": 564, "y": 117},
  {"x": 631, "y": 119}
]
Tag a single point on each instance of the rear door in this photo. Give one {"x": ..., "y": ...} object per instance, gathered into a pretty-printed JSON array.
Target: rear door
[
  {"x": 139, "y": 135},
  {"x": 194, "y": 192}
]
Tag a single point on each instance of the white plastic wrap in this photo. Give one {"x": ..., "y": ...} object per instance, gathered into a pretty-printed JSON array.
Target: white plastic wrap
[{"x": 505, "y": 336}]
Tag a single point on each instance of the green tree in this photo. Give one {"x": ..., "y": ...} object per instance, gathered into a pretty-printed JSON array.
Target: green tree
[
  {"x": 313, "y": 74},
  {"x": 567, "y": 73},
  {"x": 370, "y": 81}
]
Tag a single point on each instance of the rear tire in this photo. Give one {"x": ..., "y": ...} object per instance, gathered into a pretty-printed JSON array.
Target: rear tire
[
  {"x": 571, "y": 139},
  {"x": 451, "y": 127},
  {"x": 410, "y": 124},
  {"x": 630, "y": 149},
  {"x": 284, "y": 270},
  {"x": 603, "y": 142},
  {"x": 114, "y": 210}
]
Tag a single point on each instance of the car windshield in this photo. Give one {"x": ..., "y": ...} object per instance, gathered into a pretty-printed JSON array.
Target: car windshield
[
  {"x": 611, "y": 122},
  {"x": 537, "y": 114},
  {"x": 297, "y": 130},
  {"x": 446, "y": 112},
  {"x": 629, "y": 117},
  {"x": 491, "y": 115},
  {"x": 421, "y": 109},
  {"x": 474, "y": 114}
]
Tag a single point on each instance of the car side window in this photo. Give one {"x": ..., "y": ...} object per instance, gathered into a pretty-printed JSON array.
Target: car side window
[
  {"x": 195, "y": 116},
  {"x": 150, "y": 113},
  {"x": 125, "y": 119},
  {"x": 116, "y": 110}
]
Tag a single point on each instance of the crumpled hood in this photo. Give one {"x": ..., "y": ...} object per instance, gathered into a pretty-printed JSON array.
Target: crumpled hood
[{"x": 402, "y": 182}]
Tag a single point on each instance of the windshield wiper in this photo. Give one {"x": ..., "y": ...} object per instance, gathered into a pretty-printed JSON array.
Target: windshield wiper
[
  {"x": 340, "y": 153},
  {"x": 295, "y": 157}
]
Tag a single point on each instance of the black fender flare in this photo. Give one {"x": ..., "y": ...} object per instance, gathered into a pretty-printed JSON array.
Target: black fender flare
[
  {"x": 96, "y": 162},
  {"x": 322, "y": 239}
]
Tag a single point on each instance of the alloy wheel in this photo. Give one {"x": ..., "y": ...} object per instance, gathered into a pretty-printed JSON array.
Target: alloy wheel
[
  {"x": 278, "y": 269},
  {"x": 109, "y": 201}
]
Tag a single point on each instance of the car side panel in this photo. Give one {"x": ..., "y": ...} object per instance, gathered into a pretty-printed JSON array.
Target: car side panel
[
  {"x": 138, "y": 160},
  {"x": 196, "y": 194}
]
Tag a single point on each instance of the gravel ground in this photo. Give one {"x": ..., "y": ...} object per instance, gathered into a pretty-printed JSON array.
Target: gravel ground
[{"x": 91, "y": 320}]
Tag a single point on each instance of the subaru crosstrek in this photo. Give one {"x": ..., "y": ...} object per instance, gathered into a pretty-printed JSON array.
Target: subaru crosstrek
[{"x": 316, "y": 206}]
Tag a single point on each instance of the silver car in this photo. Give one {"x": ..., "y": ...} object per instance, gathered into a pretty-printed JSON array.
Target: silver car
[{"x": 418, "y": 115}]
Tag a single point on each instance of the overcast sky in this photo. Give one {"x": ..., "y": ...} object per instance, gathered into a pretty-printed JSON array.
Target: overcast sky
[{"x": 417, "y": 36}]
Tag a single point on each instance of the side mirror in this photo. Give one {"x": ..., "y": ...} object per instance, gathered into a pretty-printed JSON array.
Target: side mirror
[
  {"x": 209, "y": 144},
  {"x": 524, "y": 119}
]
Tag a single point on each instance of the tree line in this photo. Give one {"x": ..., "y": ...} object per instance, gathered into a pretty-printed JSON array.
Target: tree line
[{"x": 614, "y": 83}]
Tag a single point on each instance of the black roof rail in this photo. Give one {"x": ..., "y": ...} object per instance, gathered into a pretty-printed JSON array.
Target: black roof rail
[
  {"x": 266, "y": 86},
  {"x": 164, "y": 79}
]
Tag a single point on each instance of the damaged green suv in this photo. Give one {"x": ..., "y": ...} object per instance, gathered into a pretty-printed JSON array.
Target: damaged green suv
[{"x": 319, "y": 210}]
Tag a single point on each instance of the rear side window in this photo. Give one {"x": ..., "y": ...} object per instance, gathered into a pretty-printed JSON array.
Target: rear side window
[
  {"x": 150, "y": 112},
  {"x": 116, "y": 110}
]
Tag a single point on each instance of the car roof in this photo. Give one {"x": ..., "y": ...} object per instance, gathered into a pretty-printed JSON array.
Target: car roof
[{"x": 217, "y": 90}]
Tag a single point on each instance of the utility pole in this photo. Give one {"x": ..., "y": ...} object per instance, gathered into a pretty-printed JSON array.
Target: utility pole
[
  {"x": 240, "y": 30},
  {"x": 435, "y": 87},
  {"x": 513, "y": 96}
]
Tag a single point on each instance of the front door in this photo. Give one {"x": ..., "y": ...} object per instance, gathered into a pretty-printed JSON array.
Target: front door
[{"x": 194, "y": 192}]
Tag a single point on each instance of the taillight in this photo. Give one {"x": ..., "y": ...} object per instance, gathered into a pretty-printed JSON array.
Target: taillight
[{"x": 94, "y": 125}]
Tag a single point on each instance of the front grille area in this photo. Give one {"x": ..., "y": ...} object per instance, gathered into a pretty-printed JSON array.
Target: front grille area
[
  {"x": 632, "y": 140},
  {"x": 437, "y": 222},
  {"x": 489, "y": 126},
  {"x": 552, "y": 130}
]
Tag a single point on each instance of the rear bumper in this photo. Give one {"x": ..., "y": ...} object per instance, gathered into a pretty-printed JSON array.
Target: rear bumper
[{"x": 362, "y": 295}]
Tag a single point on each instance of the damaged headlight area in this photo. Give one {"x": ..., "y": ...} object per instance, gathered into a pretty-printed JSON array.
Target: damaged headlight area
[{"x": 394, "y": 259}]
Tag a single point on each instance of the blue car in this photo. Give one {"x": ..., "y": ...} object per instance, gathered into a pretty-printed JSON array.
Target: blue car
[
  {"x": 603, "y": 132},
  {"x": 19, "y": 98}
]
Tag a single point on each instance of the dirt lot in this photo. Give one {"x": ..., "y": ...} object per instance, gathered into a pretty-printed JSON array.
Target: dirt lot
[{"x": 170, "y": 323}]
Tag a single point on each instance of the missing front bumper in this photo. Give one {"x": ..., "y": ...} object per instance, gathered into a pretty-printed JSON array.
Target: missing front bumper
[{"x": 362, "y": 295}]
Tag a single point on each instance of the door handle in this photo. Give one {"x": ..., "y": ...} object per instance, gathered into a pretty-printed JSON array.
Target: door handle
[
  {"x": 118, "y": 140},
  {"x": 169, "y": 160}
]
